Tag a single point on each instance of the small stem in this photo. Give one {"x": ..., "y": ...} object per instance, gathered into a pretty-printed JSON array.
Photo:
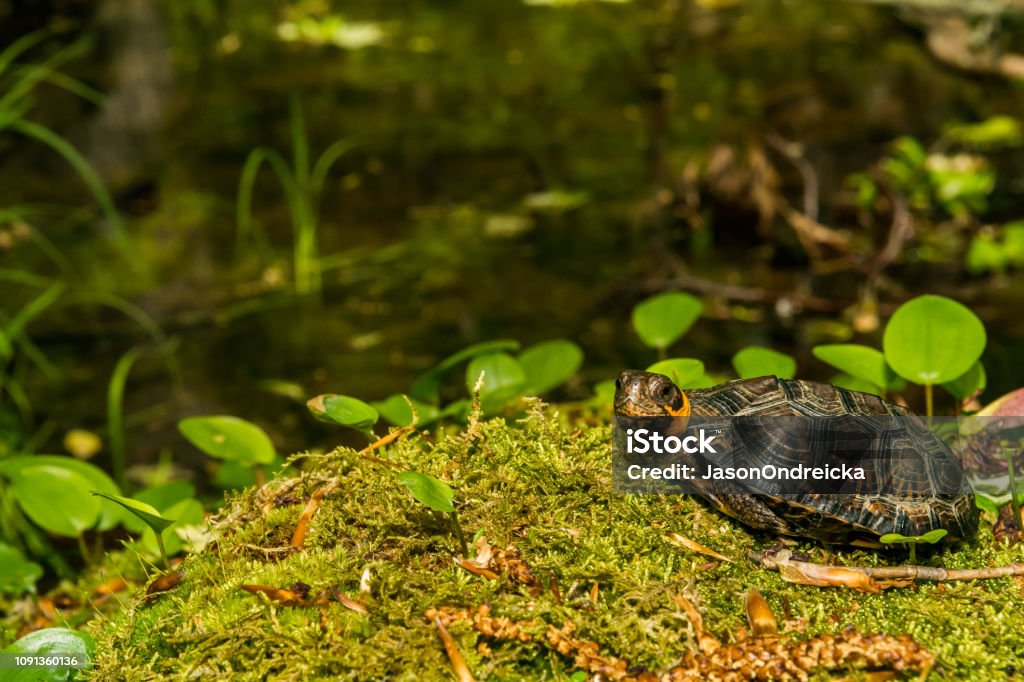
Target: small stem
[
  {"x": 458, "y": 532},
  {"x": 83, "y": 547},
  {"x": 928, "y": 402},
  {"x": 662, "y": 353},
  {"x": 913, "y": 553},
  {"x": 1014, "y": 505},
  {"x": 261, "y": 477},
  {"x": 163, "y": 551}
]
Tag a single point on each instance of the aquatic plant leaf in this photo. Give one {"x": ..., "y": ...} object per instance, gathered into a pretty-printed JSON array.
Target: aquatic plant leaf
[
  {"x": 97, "y": 478},
  {"x": 17, "y": 574},
  {"x": 39, "y": 489},
  {"x": 51, "y": 642},
  {"x": 343, "y": 410},
  {"x": 661, "y": 320},
  {"x": 428, "y": 385},
  {"x": 861, "y": 362},
  {"x": 684, "y": 372},
  {"x": 933, "y": 339},
  {"x": 503, "y": 379},
  {"x": 182, "y": 513},
  {"x": 397, "y": 411},
  {"x": 851, "y": 383},
  {"x": 549, "y": 364},
  {"x": 968, "y": 383},
  {"x": 758, "y": 361},
  {"x": 428, "y": 491},
  {"x": 150, "y": 516},
  {"x": 230, "y": 438}
]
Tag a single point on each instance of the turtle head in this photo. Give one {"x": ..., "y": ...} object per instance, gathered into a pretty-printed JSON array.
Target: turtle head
[{"x": 644, "y": 394}]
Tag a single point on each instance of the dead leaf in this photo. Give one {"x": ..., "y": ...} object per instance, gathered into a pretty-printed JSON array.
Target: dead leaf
[
  {"x": 759, "y": 615},
  {"x": 348, "y": 602},
  {"x": 165, "y": 582},
  {"x": 278, "y": 594},
  {"x": 476, "y": 569},
  {"x": 696, "y": 546},
  {"x": 803, "y": 573}
]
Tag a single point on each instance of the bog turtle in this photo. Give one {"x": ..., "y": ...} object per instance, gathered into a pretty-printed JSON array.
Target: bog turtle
[{"x": 934, "y": 496}]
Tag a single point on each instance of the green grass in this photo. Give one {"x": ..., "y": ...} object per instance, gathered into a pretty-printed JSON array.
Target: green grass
[{"x": 545, "y": 488}]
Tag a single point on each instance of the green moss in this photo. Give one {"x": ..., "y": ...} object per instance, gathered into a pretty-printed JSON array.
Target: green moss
[{"x": 544, "y": 488}]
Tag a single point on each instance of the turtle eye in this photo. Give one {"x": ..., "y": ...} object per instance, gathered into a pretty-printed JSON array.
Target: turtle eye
[{"x": 665, "y": 392}]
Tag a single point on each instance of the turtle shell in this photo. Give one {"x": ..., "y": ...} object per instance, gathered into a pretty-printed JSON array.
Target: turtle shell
[{"x": 915, "y": 464}]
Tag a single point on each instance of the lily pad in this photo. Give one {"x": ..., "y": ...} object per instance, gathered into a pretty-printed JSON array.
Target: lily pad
[{"x": 932, "y": 339}]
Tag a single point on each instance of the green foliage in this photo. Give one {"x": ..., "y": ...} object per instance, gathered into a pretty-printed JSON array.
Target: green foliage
[
  {"x": 17, "y": 574},
  {"x": 428, "y": 491},
  {"x": 302, "y": 185},
  {"x": 987, "y": 253},
  {"x": 344, "y": 411},
  {"x": 434, "y": 494},
  {"x": 51, "y": 642},
  {"x": 140, "y": 510},
  {"x": 96, "y": 479},
  {"x": 932, "y": 339},
  {"x": 662, "y": 320},
  {"x": 931, "y": 537},
  {"x": 38, "y": 487},
  {"x": 503, "y": 380},
  {"x": 398, "y": 410},
  {"x": 155, "y": 522},
  {"x": 229, "y": 438},
  {"x": 861, "y": 362},
  {"x": 998, "y": 131},
  {"x": 758, "y": 361},
  {"x": 968, "y": 383},
  {"x": 427, "y": 387},
  {"x": 17, "y": 86},
  {"x": 684, "y": 372},
  {"x": 549, "y": 364}
]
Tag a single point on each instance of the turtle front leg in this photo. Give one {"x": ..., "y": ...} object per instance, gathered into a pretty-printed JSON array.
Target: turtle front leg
[{"x": 751, "y": 511}]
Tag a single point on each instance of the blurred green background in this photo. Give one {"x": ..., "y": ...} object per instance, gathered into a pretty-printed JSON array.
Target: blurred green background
[{"x": 526, "y": 170}]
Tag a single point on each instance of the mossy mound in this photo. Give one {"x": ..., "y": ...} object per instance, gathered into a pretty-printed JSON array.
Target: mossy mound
[{"x": 543, "y": 487}]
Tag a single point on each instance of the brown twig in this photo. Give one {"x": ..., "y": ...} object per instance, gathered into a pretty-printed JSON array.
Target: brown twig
[
  {"x": 458, "y": 662},
  {"x": 873, "y": 579}
]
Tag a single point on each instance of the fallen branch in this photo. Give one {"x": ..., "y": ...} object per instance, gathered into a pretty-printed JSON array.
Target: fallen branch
[{"x": 872, "y": 579}]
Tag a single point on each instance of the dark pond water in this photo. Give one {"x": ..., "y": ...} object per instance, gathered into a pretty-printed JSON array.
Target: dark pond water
[{"x": 515, "y": 172}]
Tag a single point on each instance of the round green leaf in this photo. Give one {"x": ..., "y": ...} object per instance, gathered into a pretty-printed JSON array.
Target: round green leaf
[
  {"x": 428, "y": 385},
  {"x": 343, "y": 410},
  {"x": 56, "y": 499},
  {"x": 684, "y": 372},
  {"x": 97, "y": 478},
  {"x": 862, "y": 362},
  {"x": 855, "y": 384},
  {"x": 17, "y": 574},
  {"x": 51, "y": 642},
  {"x": 933, "y": 339},
  {"x": 397, "y": 411},
  {"x": 757, "y": 361},
  {"x": 661, "y": 320},
  {"x": 503, "y": 379},
  {"x": 428, "y": 490},
  {"x": 231, "y": 438},
  {"x": 968, "y": 383},
  {"x": 549, "y": 364}
]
